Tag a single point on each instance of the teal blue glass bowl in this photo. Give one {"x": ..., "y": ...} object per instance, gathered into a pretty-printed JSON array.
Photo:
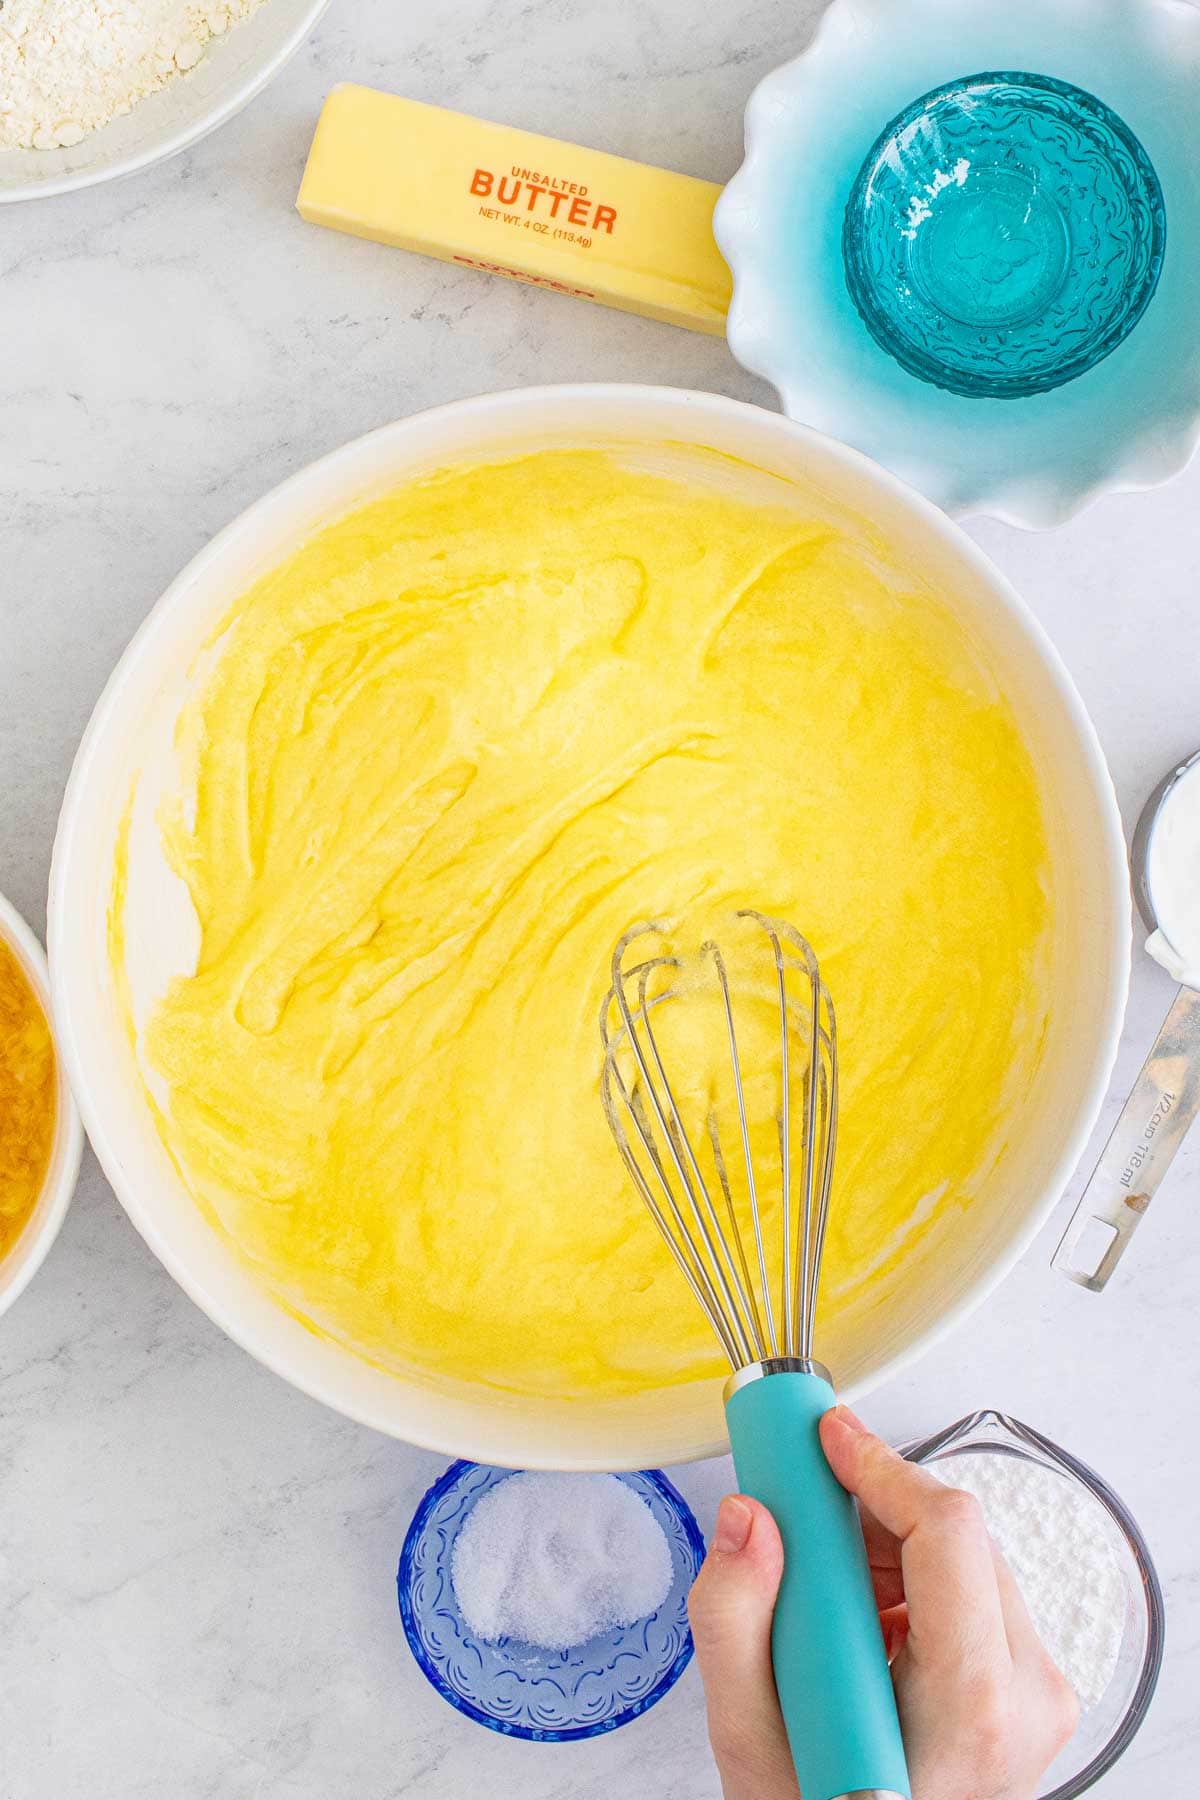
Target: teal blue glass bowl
[{"x": 1004, "y": 234}]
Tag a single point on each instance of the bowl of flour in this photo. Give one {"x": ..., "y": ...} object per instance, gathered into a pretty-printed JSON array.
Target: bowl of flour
[
  {"x": 95, "y": 89},
  {"x": 1084, "y": 1570}
]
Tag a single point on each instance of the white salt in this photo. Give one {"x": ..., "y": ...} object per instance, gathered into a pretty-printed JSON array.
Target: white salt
[
  {"x": 1062, "y": 1548},
  {"x": 555, "y": 1560}
]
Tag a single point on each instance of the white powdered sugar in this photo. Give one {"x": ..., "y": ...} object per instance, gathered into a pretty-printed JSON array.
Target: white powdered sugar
[
  {"x": 555, "y": 1560},
  {"x": 69, "y": 66},
  {"x": 1063, "y": 1550}
]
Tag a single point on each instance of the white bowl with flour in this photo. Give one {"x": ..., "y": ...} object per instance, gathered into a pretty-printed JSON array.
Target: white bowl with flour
[{"x": 168, "y": 71}]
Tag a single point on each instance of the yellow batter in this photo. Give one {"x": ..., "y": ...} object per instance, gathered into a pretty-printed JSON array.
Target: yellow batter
[{"x": 449, "y": 750}]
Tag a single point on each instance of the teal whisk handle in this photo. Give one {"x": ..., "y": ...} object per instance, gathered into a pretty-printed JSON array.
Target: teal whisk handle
[{"x": 831, "y": 1670}]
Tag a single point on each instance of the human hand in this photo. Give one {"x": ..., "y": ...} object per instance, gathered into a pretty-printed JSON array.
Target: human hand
[{"x": 982, "y": 1708}]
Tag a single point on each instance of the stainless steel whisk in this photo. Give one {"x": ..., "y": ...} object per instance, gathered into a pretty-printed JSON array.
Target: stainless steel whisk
[
  {"x": 693, "y": 1146},
  {"x": 714, "y": 1260}
]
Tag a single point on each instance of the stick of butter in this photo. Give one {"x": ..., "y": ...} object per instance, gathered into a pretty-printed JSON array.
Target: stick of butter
[{"x": 512, "y": 203}]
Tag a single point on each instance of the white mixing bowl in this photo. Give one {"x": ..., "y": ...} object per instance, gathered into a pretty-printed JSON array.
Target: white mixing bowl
[
  {"x": 234, "y": 69},
  {"x": 129, "y": 741}
]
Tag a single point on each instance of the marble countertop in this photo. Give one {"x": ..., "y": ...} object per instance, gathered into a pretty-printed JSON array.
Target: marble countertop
[{"x": 197, "y": 1562}]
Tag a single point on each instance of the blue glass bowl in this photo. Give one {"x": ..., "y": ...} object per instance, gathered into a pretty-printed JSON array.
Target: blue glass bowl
[
  {"x": 550, "y": 1696},
  {"x": 1004, "y": 234}
]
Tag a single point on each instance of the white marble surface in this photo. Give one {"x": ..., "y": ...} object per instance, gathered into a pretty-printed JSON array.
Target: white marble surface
[{"x": 196, "y": 1563}]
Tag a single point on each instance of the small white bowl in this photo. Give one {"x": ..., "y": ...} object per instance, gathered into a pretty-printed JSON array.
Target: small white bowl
[
  {"x": 1130, "y": 422},
  {"x": 235, "y": 68},
  {"x": 26, "y": 1256}
]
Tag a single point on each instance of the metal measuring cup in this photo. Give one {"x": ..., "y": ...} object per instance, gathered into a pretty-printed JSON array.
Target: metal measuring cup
[{"x": 1154, "y": 1120}]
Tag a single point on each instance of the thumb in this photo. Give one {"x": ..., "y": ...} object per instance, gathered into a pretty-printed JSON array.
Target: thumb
[
  {"x": 955, "y": 1615},
  {"x": 731, "y": 1606}
]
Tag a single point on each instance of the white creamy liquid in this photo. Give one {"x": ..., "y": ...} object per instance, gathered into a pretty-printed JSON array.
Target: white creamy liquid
[{"x": 1173, "y": 878}]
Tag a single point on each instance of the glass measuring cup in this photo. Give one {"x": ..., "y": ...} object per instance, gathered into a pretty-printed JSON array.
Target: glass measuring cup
[{"x": 1106, "y": 1730}]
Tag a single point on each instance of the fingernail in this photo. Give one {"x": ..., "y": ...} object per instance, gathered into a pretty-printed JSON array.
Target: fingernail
[
  {"x": 850, "y": 1420},
  {"x": 734, "y": 1520}
]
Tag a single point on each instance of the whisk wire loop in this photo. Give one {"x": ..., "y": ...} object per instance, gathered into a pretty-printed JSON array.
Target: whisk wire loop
[
  {"x": 645, "y": 1108},
  {"x": 670, "y": 1218},
  {"x": 657, "y": 1086},
  {"x": 695, "y": 1276},
  {"x": 710, "y": 949}
]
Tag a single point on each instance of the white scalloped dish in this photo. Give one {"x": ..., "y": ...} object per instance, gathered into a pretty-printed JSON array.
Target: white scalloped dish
[{"x": 1133, "y": 420}]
